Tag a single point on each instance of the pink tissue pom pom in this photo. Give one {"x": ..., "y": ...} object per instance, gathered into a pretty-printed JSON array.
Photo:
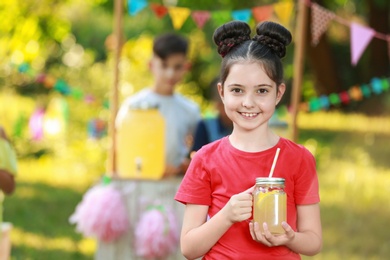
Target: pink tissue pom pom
[
  {"x": 101, "y": 214},
  {"x": 157, "y": 234}
]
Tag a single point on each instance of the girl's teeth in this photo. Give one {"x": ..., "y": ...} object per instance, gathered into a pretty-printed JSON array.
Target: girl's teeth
[{"x": 249, "y": 114}]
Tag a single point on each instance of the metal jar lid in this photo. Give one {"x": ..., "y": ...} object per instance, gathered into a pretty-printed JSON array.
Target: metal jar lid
[{"x": 266, "y": 180}]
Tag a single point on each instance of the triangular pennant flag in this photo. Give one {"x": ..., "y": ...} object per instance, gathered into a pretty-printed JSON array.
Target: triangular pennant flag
[
  {"x": 178, "y": 15},
  {"x": 262, "y": 13},
  {"x": 200, "y": 18},
  {"x": 221, "y": 17},
  {"x": 242, "y": 15},
  {"x": 159, "y": 10},
  {"x": 283, "y": 11},
  {"x": 320, "y": 18},
  {"x": 136, "y": 6},
  {"x": 360, "y": 38}
]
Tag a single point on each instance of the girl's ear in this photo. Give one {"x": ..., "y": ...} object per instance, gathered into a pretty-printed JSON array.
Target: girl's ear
[
  {"x": 220, "y": 91},
  {"x": 280, "y": 93}
]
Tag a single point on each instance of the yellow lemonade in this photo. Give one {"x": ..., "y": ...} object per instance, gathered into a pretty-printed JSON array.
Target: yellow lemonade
[
  {"x": 270, "y": 205},
  {"x": 141, "y": 145}
]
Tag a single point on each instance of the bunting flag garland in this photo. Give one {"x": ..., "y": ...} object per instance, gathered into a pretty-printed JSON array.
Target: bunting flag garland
[
  {"x": 262, "y": 13},
  {"x": 360, "y": 38},
  {"x": 179, "y": 16},
  {"x": 200, "y": 18},
  {"x": 320, "y": 18},
  {"x": 159, "y": 10},
  {"x": 356, "y": 93},
  {"x": 283, "y": 11},
  {"x": 136, "y": 6},
  {"x": 376, "y": 86},
  {"x": 242, "y": 15}
]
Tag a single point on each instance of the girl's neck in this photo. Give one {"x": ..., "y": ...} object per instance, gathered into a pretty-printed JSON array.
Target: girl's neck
[{"x": 254, "y": 141}]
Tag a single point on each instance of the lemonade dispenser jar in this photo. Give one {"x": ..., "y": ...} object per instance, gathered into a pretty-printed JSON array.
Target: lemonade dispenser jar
[
  {"x": 141, "y": 144},
  {"x": 270, "y": 204}
]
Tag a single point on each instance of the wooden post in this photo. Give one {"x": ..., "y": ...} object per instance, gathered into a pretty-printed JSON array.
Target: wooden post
[
  {"x": 299, "y": 61},
  {"x": 118, "y": 10}
]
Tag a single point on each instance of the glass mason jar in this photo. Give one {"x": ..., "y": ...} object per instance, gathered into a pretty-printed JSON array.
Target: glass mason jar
[{"x": 270, "y": 204}]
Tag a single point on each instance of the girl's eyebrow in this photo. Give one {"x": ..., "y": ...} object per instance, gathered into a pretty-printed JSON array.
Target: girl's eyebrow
[
  {"x": 239, "y": 85},
  {"x": 264, "y": 85},
  {"x": 235, "y": 85}
]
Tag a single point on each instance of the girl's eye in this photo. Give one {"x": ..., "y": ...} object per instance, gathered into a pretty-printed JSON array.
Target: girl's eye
[
  {"x": 236, "y": 90},
  {"x": 262, "y": 91}
]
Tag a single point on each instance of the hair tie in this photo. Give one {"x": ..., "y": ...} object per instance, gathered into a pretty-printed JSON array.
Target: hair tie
[{"x": 227, "y": 44}]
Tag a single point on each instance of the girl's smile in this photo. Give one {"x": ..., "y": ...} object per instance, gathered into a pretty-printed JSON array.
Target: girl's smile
[
  {"x": 249, "y": 96},
  {"x": 248, "y": 115}
]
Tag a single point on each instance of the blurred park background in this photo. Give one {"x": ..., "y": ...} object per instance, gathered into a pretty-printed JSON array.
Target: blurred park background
[{"x": 56, "y": 74}]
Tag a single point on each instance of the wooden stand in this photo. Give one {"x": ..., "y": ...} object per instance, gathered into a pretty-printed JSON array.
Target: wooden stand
[{"x": 299, "y": 60}]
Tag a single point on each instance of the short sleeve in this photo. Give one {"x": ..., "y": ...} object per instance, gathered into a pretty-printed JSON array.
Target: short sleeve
[{"x": 307, "y": 188}]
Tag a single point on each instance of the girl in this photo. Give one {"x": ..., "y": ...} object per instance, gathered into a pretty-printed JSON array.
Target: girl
[{"x": 217, "y": 188}]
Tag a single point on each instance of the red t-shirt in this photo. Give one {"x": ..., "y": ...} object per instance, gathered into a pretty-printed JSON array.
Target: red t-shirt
[{"x": 218, "y": 171}]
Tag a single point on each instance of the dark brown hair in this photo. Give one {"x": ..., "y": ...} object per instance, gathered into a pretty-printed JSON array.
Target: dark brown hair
[{"x": 267, "y": 47}]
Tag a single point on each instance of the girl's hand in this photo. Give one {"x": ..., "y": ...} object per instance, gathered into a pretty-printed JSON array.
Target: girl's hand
[
  {"x": 239, "y": 207},
  {"x": 267, "y": 238}
]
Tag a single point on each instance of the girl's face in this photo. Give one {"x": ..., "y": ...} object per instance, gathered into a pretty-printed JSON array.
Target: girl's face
[
  {"x": 250, "y": 96},
  {"x": 167, "y": 73}
]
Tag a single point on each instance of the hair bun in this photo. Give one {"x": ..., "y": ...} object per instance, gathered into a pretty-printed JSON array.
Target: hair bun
[
  {"x": 273, "y": 35},
  {"x": 231, "y": 34}
]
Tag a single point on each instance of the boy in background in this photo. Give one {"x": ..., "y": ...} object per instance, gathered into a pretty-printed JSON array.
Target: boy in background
[{"x": 168, "y": 67}]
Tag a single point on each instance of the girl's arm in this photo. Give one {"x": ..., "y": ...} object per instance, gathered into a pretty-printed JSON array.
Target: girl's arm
[
  {"x": 308, "y": 239},
  {"x": 199, "y": 235}
]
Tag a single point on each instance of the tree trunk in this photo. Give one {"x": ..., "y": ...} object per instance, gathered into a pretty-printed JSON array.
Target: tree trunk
[
  {"x": 380, "y": 22},
  {"x": 379, "y": 66},
  {"x": 321, "y": 62}
]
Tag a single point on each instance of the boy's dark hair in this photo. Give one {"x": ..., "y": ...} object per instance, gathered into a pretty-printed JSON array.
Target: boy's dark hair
[{"x": 168, "y": 44}]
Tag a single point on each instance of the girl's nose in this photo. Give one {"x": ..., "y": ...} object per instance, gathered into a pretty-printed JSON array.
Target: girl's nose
[{"x": 247, "y": 102}]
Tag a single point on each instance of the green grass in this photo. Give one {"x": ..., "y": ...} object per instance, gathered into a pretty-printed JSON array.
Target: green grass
[
  {"x": 354, "y": 173},
  {"x": 39, "y": 211},
  {"x": 354, "y": 169}
]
